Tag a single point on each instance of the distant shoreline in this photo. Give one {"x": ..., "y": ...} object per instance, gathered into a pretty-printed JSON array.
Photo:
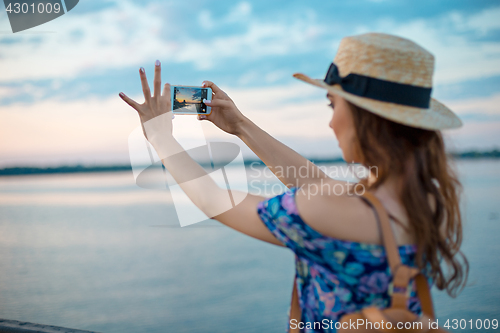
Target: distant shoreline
[{"x": 27, "y": 170}]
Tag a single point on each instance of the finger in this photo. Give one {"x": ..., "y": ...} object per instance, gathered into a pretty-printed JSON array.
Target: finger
[
  {"x": 213, "y": 86},
  {"x": 166, "y": 96},
  {"x": 157, "y": 81},
  {"x": 217, "y": 103},
  {"x": 129, "y": 101},
  {"x": 202, "y": 117},
  {"x": 145, "y": 85}
]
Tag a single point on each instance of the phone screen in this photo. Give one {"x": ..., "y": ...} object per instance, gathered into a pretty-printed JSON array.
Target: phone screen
[{"x": 189, "y": 99}]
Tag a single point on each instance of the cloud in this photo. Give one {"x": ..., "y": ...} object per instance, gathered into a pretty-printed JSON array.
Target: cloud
[
  {"x": 226, "y": 42},
  {"x": 459, "y": 56},
  {"x": 130, "y": 34},
  {"x": 484, "y": 105},
  {"x": 237, "y": 14},
  {"x": 111, "y": 38},
  {"x": 98, "y": 129},
  {"x": 6, "y": 92},
  {"x": 259, "y": 39},
  {"x": 205, "y": 19},
  {"x": 478, "y": 110},
  {"x": 474, "y": 135},
  {"x": 481, "y": 23},
  {"x": 241, "y": 11},
  {"x": 65, "y": 129}
]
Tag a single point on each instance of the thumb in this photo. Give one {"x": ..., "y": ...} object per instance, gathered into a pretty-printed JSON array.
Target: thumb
[
  {"x": 202, "y": 117},
  {"x": 217, "y": 103}
]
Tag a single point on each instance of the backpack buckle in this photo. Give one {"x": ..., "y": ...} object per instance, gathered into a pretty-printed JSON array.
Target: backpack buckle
[{"x": 402, "y": 290}]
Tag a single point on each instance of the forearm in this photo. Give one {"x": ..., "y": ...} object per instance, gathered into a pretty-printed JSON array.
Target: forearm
[
  {"x": 237, "y": 209},
  {"x": 229, "y": 207},
  {"x": 201, "y": 189},
  {"x": 196, "y": 183},
  {"x": 291, "y": 168}
]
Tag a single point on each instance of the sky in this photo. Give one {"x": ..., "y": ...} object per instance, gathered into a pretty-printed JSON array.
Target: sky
[
  {"x": 187, "y": 95},
  {"x": 59, "y": 82}
]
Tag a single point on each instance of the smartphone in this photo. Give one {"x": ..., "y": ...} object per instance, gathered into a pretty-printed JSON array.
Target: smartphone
[{"x": 189, "y": 100}]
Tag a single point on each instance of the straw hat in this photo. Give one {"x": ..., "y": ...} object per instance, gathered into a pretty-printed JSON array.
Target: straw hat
[{"x": 389, "y": 76}]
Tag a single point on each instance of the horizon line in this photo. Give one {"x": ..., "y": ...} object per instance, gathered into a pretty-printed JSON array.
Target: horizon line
[{"x": 81, "y": 168}]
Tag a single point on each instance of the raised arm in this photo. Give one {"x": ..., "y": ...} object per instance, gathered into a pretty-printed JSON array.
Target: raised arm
[
  {"x": 291, "y": 168},
  {"x": 283, "y": 161},
  {"x": 156, "y": 119}
]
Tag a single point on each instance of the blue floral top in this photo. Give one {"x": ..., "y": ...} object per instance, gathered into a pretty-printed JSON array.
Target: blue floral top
[{"x": 333, "y": 276}]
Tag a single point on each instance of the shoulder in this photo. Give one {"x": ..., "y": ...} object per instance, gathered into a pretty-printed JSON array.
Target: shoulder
[
  {"x": 341, "y": 214},
  {"x": 315, "y": 202}
]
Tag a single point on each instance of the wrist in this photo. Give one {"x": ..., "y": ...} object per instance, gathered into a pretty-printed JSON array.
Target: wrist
[
  {"x": 158, "y": 131},
  {"x": 242, "y": 127}
]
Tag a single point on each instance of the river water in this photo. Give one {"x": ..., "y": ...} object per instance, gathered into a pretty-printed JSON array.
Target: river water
[{"x": 97, "y": 252}]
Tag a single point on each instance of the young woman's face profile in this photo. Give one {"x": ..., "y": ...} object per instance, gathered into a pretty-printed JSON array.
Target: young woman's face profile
[{"x": 343, "y": 126}]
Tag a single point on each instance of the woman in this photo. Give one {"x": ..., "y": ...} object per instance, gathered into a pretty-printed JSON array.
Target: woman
[{"x": 379, "y": 87}]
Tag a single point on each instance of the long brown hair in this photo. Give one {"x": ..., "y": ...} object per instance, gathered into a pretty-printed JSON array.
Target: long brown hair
[{"x": 418, "y": 156}]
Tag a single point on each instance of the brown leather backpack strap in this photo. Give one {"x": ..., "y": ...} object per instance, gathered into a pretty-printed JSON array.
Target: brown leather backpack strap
[
  {"x": 424, "y": 294},
  {"x": 385, "y": 227},
  {"x": 295, "y": 311},
  {"x": 376, "y": 315},
  {"x": 402, "y": 274}
]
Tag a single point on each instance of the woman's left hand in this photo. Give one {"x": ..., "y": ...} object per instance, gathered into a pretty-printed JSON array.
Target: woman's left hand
[{"x": 155, "y": 105}]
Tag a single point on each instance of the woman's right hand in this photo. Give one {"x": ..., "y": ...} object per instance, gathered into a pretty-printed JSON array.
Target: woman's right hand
[{"x": 225, "y": 115}]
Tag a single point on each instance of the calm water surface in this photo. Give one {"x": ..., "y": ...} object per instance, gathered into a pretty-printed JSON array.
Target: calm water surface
[{"x": 96, "y": 252}]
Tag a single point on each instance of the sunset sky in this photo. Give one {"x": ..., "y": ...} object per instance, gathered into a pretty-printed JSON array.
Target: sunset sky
[
  {"x": 186, "y": 94},
  {"x": 59, "y": 82}
]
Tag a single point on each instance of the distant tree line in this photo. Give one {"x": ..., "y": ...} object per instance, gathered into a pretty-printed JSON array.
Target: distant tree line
[{"x": 14, "y": 171}]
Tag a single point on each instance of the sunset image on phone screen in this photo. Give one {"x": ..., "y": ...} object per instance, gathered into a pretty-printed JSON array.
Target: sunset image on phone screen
[{"x": 189, "y": 99}]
